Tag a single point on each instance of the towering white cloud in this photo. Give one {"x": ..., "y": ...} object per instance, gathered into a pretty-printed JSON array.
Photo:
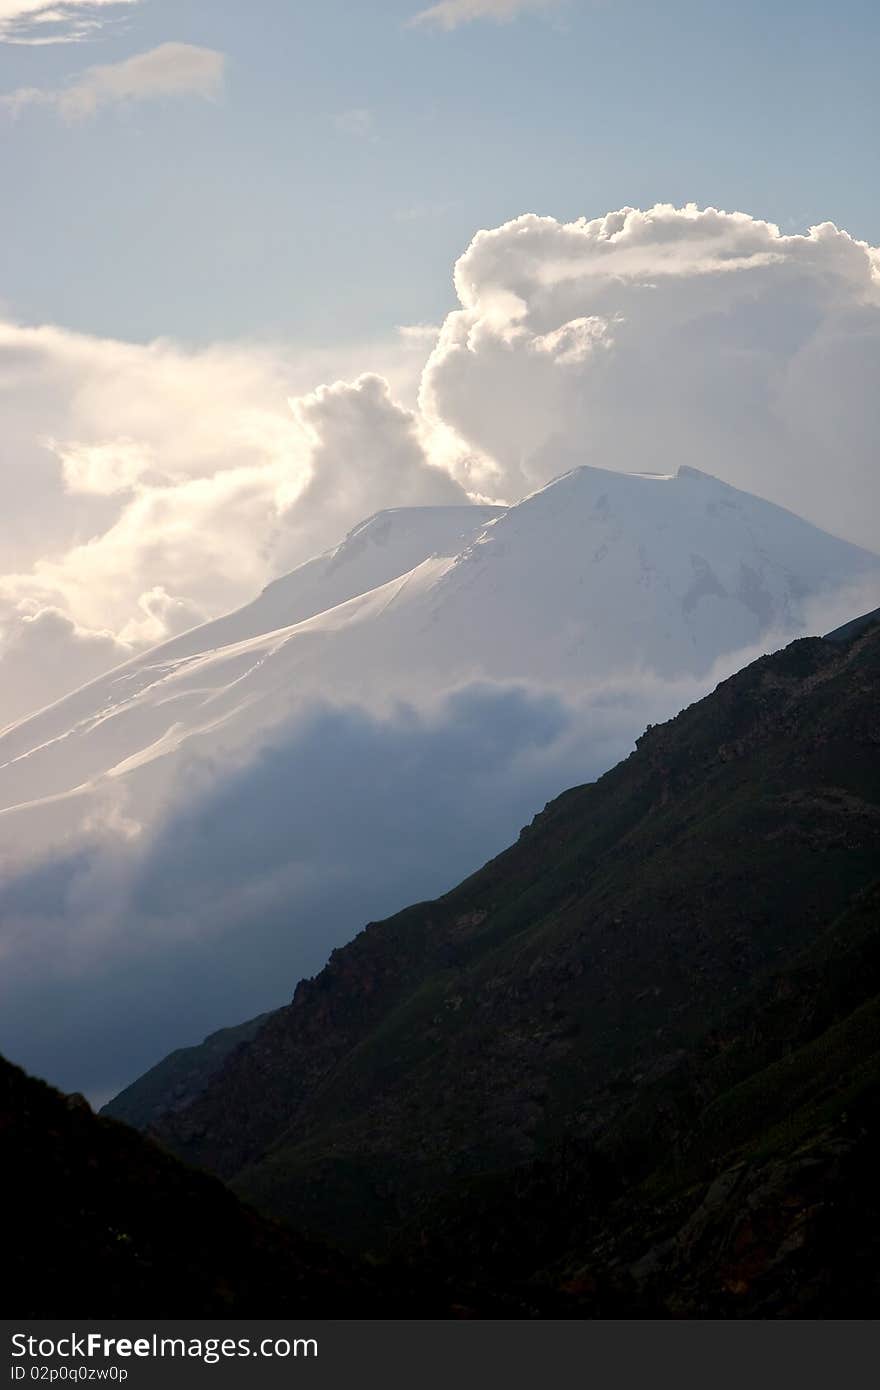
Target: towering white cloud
[
  {"x": 642, "y": 340},
  {"x": 130, "y": 471},
  {"x": 637, "y": 341}
]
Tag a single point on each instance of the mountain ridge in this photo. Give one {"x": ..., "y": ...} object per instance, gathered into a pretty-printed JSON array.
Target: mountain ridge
[
  {"x": 600, "y": 984},
  {"x": 142, "y": 1102},
  {"x": 105, "y": 1224}
]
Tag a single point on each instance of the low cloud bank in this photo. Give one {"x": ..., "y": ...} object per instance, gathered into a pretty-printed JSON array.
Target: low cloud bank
[{"x": 122, "y": 948}]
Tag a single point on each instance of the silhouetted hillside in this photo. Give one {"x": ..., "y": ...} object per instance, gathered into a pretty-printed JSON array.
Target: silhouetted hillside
[
  {"x": 98, "y": 1221},
  {"x": 632, "y": 1061},
  {"x": 180, "y": 1077}
]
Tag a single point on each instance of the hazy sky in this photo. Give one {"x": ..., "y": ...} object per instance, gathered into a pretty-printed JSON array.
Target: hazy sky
[{"x": 325, "y": 170}]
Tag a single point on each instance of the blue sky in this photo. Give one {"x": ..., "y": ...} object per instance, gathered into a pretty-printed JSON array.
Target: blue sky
[{"x": 274, "y": 212}]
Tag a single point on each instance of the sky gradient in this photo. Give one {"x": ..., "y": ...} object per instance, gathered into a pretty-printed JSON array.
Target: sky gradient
[{"x": 323, "y": 191}]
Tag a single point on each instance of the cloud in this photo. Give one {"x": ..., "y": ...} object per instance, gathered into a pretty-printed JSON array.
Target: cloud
[
  {"x": 646, "y": 339},
  {"x": 161, "y": 615},
  {"x": 172, "y": 69},
  {"x": 39, "y": 22},
  {"x": 105, "y": 469},
  {"x": 290, "y": 488},
  {"x": 130, "y": 469},
  {"x": 363, "y": 446},
  {"x": 145, "y": 486},
  {"x": 427, "y": 333},
  {"x": 44, "y": 653},
  {"x": 450, "y": 14},
  {"x": 637, "y": 341},
  {"x": 257, "y": 872},
  {"x": 132, "y": 940}
]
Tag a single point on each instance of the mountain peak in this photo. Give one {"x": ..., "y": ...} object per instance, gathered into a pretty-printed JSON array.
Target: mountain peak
[
  {"x": 686, "y": 471},
  {"x": 597, "y": 575}
]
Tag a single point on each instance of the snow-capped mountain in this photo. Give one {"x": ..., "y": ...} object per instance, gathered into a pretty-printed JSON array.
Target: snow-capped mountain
[
  {"x": 380, "y": 549},
  {"x": 596, "y": 575}
]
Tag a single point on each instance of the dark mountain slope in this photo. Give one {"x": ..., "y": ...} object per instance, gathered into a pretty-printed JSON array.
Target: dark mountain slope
[
  {"x": 98, "y": 1221},
  {"x": 633, "y": 984},
  {"x": 764, "y": 1205},
  {"x": 181, "y": 1076}
]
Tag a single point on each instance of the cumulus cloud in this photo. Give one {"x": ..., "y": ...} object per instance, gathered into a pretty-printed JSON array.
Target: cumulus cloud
[
  {"x": 450, "y": 14},
  {"x": 426, "y": 333},
  {"x": 644, "y": 340},
  {"x": 256, "y": 873},
  {"x": 637, "y": 341},
  {"x": 37, "y": 22},
  {"x": 172, "y": 69},
  {"x": 44, "y": 653},
  {"x": 364, "y": 445},
  {"x": 345, "y": 451},
  {"x": 130, "y": 470},
  {"x": 161, "y": 615},
  {"x": 105, "y": 469}
]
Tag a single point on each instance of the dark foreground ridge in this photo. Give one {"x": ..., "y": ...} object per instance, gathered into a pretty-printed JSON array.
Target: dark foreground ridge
[
  {"x": 631, "y": 1064},
  {"x": 99, "y": 1222}
]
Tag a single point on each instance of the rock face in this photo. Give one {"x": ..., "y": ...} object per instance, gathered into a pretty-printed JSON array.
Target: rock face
[{"x": 631, "y": 1064}]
